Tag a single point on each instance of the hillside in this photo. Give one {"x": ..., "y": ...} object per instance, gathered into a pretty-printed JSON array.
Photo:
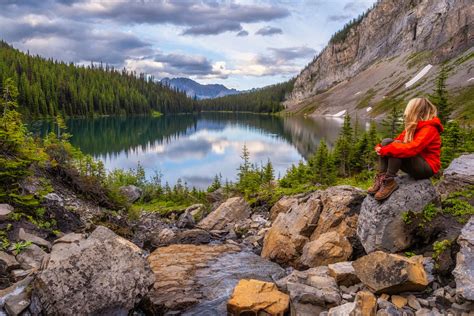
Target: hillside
[
  {"x": 392, "y": 53},
  {"x": 196, "y": 90},
  {"x": 267, "y": 99},
  {"x": 47, "y": 87}
]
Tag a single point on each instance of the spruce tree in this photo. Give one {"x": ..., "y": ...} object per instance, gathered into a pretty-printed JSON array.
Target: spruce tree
[
  {"x": 393, "y": 123},
  {"x": 440, "y": 95},
  {"x": 343, "y": 149}
]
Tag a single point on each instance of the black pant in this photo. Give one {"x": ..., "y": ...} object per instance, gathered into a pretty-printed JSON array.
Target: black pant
[{"x": 417, "y": 167}]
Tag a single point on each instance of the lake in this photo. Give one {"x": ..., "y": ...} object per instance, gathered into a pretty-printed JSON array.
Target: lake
[{"x": 196, "y": 147}]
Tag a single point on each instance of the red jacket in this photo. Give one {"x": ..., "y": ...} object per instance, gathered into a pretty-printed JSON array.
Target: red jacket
[{"x": 426, "y": 143}]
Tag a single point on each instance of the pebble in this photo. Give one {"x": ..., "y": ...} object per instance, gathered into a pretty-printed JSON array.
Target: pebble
[
  {"x": 413, "y": 302},
  {"x": 399, "y": 301},
  {"x": 439, "y": 292},
  {"x": 347, "y": 297}
]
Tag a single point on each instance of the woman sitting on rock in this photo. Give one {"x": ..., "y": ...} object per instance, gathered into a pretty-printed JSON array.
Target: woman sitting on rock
[{"x": 416, "y": 150}]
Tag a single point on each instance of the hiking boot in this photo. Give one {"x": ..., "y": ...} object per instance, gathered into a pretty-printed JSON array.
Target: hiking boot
[
  {"x": 377, "y": 183},
  {"x": 389, "y": 185}
]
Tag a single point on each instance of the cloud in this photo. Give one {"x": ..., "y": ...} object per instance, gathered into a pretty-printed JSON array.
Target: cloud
[
  {"x": 243, "y": 33},
  {"x": 213, "y": 28},
  {"x": 178, "y": 65},
  {"x": 198, "y": 18},
  {"x": 269, "y": 31},
  {"x": 339, "y": 17},
  {"x": 290, "y": 53},
  {"x": 71, "y": 40}
]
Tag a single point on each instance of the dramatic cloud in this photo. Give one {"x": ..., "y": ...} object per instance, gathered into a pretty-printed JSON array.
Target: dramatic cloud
[
  {"x": 213, "y": 28},
  {"x": 243, "y": 33},
  {"x": 339, "y": 17},
  {"x": 269, "y": 31},
  {"x": 177, "y": 65},
  {"x": 291, "y": 53}
]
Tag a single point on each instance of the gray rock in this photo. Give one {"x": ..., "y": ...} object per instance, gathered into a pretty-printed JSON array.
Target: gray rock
[
  {"x": 7, "y": 262},
  {"x": 54, "y": 198},
  {"x": 413, "y": 302},
  {"x": 131, "y": 192},
  {"x": 314, "y": 286},
  {"x": 15, "y": 289},
  {"x": 229, "y": 212},
  {"x": 380, "y": 225},
  {"x": 16, "y": 304},
  {"x": 5, "y": 211},
  {"x": 23, "y": 235},
  {"x": 31, "y": 257},
  {"x": 464, "y": 271},
  {"x": 342, "y": 310},
  {"x": 343, "y": 273},
  {"x": 185, "y": 220},
  {"x": 458, "y": 176},
  {"x": 103, "y": 274}
]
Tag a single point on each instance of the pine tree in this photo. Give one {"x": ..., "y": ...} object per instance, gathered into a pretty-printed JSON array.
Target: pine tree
[
  {"x": 393, "y": 123},
  {"x": 440, "y": 95},
  {"x": 343, "y": 149},
  {"x": 268, "y": 172}
]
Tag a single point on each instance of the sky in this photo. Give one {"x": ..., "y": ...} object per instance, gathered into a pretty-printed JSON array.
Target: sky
[{"x": 242, "y": 44}]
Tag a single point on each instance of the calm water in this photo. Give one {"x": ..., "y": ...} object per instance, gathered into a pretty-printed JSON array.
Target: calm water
[{"x": 196, "y": 147}]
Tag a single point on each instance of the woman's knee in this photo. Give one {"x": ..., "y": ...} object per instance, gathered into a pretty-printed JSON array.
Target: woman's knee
[{"x": 386, "y": 141}]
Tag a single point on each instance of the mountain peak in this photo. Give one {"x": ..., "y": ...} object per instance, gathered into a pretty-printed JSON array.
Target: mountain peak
[{"x": 195, "y": 89}]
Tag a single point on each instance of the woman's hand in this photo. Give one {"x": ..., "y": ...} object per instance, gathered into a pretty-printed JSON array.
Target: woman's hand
[{"x": 377, "y": 150}]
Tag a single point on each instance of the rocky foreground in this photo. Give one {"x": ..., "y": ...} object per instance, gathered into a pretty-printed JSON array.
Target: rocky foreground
[{"x": 328, "y": 252}]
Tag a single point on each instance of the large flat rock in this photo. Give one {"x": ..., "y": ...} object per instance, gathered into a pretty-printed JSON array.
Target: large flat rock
[{"x": 198, "y": 279}]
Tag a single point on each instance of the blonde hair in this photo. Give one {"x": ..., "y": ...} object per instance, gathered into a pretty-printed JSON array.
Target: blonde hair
[{"x": 418, "y": 109}]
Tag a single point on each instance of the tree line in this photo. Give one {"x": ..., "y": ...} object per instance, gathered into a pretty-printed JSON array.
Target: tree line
[
  {"x": 47, "y": 87},
  {"x": 264, "y": 100}
]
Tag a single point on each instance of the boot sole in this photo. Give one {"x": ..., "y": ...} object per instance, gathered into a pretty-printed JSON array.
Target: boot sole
[{"x": 381, "y": 198}]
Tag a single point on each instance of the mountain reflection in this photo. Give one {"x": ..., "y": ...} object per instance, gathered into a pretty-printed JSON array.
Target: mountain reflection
[{"x": 196, "y": 147}]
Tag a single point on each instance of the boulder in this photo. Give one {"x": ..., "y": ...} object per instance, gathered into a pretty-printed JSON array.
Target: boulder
[
  {"x": 458, "y": 176},
  {"x": 282, "y": 206},
  {"x": 103, "y": 274},
  {"x": 333, "y": 210},
  {"x": 199, "y": 278},
  {"x": 343, "y": 273},
  {"x": 464, "y": 271},
  {"x": 328, "y": 248},
  {"x": 7, "y": 262},
  {"x": 23, "y": 235},
  {"x": 31, "y": 257},
  {"x": 311, "y": 291},
  {"x": 229, "y": 212},
  {"x": 5, "y": 211},
  {"x": 391, "y": 273},
  {"x": 131, "y": 192},
  {"x": 380, "y": 225},
  {"x": 257, "y": 297},
  {"x": 341, "y": 207},
  {"x": 185, "y": 220}
]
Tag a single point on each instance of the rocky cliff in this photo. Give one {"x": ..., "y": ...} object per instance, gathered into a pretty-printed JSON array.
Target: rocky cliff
[{"x": 377, "y": 56}]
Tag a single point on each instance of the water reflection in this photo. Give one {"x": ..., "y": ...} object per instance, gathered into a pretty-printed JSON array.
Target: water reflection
[{"x": 196, "y": 147}]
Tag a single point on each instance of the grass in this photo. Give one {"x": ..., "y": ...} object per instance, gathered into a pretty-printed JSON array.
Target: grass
[
  {"x": 160, "y": 206},
  {"x": 418, "y": 58},
  {"x": 365, "y": 100},
  {"x": 386, "y": 104},
  {"x": 464, "y": 101},
  {"x": 463, "y": 59},
  {"x": 439, "y": 247}
]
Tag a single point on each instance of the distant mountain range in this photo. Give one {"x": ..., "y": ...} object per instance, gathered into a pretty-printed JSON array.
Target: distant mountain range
[{"x": 200, "y": 91}]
